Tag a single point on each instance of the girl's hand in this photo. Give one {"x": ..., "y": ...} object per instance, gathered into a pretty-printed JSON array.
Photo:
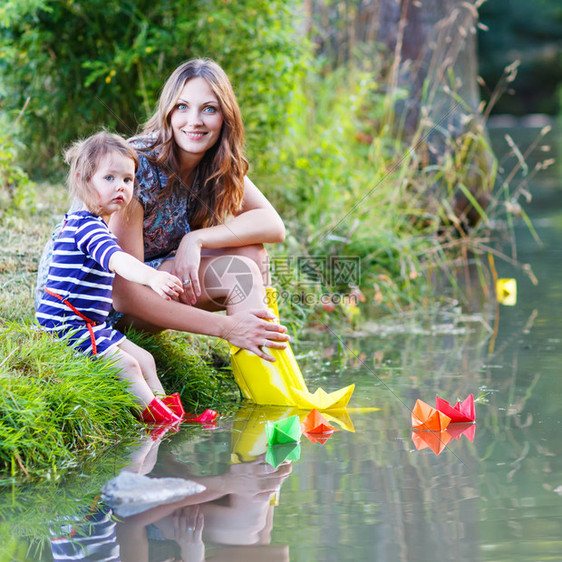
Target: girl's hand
[
  {"x": 165, "y": 284},
  {"x": 186, "y": 267},
  {"x": 252, "y": 331}
]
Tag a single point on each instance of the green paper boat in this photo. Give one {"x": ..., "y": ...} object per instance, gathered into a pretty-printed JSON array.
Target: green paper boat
[
  {"x": 276, "y": 454},
  {"x": 286, "y": 430}
]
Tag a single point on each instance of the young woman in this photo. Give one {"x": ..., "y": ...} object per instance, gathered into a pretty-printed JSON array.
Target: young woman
[
  {"x": 199, "y": 217},
  {"x": 77, "y": 297}
]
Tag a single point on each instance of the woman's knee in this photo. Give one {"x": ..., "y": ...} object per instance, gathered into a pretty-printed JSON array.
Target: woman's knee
[
  {"x": 257, "y": 254},
  {"x": 230, "y": 279}
]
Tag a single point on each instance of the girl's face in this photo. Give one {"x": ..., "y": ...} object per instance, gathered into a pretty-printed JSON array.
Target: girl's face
[
  {"x": 196, "y": 120},
  {"x": 113, "y": 183}
]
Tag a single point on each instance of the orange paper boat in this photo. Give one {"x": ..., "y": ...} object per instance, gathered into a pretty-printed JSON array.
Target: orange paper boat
[
  {"x": 435, "y": 440},
  {"x": 460, "y": 412},
  {"x": 316, "y": 423},
  {"x": 426, "y": 418}
]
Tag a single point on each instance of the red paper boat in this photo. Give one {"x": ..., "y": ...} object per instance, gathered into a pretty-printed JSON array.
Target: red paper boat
[
  {"x": 460, "y": 413},
  {"x": 316, "y": 423},
  {"x": 206, "y": 417},
  {"x": 435, "y": 440},
  {"x": 426, "y": 418}
]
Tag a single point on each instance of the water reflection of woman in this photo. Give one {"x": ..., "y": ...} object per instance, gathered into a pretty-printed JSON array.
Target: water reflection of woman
[{"x": 234, "y": 515}]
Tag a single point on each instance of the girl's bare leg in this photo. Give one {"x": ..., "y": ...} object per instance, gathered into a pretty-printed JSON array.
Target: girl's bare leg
[
  {"x": 131, "y": 369},
  {"x": 147, "y": 366}
]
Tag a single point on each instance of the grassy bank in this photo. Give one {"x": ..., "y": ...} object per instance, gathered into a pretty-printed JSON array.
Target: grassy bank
[{"x": 58, "y": 409}]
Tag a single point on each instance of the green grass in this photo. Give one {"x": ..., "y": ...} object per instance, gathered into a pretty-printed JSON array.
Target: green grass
[{"x": 57, "y": 408}]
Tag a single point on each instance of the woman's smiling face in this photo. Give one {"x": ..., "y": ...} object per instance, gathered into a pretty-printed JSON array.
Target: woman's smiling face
[{"x": 196, "y": 120}]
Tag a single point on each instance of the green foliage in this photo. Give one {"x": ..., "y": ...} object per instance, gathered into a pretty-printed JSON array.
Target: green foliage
[
  {"x": 16, "y": 189},
  {"x": 347, "y": 184},
  {"x": 57, "y": 408},
  {"x": 85, "y": 64},
  {"x": 338, "y": 179}
]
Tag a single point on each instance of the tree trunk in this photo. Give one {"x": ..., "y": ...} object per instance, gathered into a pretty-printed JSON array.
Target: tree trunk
[{"x": 432, "y": 46}]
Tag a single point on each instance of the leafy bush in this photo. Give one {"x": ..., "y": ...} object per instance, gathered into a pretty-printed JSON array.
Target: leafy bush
[{"x": 104, "y": 62}]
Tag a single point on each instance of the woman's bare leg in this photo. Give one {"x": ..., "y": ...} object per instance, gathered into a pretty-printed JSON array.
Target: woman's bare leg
[{"x": 145, "y": 310}]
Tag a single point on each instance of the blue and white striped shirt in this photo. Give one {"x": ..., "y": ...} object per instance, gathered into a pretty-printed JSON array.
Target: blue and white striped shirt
[{"x": 79, "y": 272}]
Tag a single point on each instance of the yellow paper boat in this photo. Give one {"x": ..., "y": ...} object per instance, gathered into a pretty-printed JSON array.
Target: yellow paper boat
[
  {"x": 506, "y": 291},
  {"x": 322, "y": 400},
  {"x": 280, "y": 383}
]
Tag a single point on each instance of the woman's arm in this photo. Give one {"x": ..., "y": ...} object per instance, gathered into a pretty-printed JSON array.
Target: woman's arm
[
  {"x": 257, "y": 223},
  {"x": 147, "y": 311}
]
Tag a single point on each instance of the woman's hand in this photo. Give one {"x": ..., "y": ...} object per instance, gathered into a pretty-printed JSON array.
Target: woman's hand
[
  {"x": 186, "y": 267},
  {"x": 188, "y": 529},
  {"x": 256, "y": 478},
  {"x": 251, "y": 330}
]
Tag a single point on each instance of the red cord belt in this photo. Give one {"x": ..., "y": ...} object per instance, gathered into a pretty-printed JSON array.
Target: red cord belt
[{"x": 89, "y": 323}]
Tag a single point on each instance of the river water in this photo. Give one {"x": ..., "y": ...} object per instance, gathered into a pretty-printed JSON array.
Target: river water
[{"x": 374, "y": 491}]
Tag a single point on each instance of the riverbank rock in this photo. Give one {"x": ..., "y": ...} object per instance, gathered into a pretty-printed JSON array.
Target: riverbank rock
[{"x": 130, "y": 493}]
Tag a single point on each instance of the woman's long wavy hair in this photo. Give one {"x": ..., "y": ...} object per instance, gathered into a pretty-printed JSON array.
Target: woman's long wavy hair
[{"x": 221, "y": 171}]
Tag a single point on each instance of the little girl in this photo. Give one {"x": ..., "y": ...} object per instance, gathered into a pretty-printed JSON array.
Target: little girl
[{"x": 86, "y": 256}]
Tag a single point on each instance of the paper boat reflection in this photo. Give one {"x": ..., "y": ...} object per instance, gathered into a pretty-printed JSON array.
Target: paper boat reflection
[
  {"x": 319, "y": 438},
  {"x": 437, "y": 441},
  {"x": 277, "y": 454},
  {"x": 249, "y": 439},
  {"x": 458, "y": 429}
]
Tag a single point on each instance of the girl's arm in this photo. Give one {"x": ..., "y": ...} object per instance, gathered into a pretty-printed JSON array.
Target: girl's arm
[{"x": 130, "y": 268}]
